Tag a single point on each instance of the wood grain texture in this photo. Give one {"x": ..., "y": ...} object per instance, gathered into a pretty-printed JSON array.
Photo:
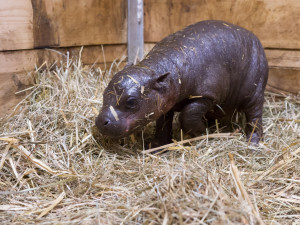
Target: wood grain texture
[
  {"x": 31, "y": 24},
  {"x": 283, "y": 58},
  {"x": 284, "y": 70},
  {"x": 276, "y": 23},
  {"x": 45, "y": 26},
  {"x": 91, "y": 22},
  {"x": 16, "y": 28},
  {"x": 285, "y": 79},
  {"x": 10, "y": 83},
  {"x": 27, "y": 60}
]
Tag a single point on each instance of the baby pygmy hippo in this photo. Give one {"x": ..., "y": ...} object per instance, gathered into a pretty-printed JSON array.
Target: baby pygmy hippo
[{"x": 206, "y": 71}]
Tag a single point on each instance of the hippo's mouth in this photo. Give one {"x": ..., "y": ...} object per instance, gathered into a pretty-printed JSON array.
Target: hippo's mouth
[{"x": 125, "y": 134}]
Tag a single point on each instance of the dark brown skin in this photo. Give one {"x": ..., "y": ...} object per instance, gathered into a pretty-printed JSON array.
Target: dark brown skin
[{"x": 222, "y": 65}]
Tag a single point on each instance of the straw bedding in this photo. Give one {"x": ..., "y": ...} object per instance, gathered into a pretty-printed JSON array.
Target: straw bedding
[{"x": 56, "y": 169}]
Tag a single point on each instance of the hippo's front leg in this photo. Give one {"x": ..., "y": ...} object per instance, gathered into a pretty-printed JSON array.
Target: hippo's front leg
[
  {"x": 192, "y": 116},
  {"x": 163, "y": 131}
]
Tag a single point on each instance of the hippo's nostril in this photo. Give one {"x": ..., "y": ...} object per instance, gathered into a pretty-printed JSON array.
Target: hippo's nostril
[{"x": 105, "y": 123}]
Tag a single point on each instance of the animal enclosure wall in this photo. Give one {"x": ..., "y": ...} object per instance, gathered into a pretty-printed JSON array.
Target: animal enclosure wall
[
  {"x": 276, "y": 23},
  {"x": 28, "y": 29}
]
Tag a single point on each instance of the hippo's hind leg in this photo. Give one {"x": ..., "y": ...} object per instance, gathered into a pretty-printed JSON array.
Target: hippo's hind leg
[
  {"x": 254, "y": 126},
  {"x": 192, "y": 116},
  {"x": 253, "y": 107}
]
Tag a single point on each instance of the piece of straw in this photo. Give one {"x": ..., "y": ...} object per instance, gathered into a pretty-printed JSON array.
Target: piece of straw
[{"x": 114, "y": 113}]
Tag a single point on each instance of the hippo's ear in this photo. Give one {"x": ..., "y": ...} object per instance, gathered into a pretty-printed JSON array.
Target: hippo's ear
[{"x": 162, "y": 82}]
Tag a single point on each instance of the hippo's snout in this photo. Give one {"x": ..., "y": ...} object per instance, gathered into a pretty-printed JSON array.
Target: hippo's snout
[
  {"x": 102, "y": 122},
  {"x": 109, "y": 126}
]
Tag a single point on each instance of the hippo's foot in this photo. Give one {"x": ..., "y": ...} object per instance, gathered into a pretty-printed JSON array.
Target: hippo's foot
[
  {"x": 254, "y": 132},
  {"x": 254, "y": 139},
  {"x": 254, "y": 126}
]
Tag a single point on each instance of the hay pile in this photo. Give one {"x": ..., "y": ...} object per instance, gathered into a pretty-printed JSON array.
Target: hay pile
[{"x": 53, "y": 170}]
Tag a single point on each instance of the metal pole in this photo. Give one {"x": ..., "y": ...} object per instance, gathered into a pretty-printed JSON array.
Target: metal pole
[{"x": 135, "y": 30}]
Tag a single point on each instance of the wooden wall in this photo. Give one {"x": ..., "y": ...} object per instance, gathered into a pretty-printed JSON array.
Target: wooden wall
[
  {"x": 276, "y": 23},
  {"x": 29, "y": 24},
  {"x": 28, "y": 28}
]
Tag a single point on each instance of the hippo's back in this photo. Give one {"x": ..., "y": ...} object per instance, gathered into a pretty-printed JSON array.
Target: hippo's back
[{"x": 195, "y": 53}]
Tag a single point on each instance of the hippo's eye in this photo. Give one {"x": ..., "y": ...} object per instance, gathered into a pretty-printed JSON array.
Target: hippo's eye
[{"x": 131, "y": 103}]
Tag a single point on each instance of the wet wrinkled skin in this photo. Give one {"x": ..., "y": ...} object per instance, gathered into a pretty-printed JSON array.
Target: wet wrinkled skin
[{"x": 221, "y": 65}]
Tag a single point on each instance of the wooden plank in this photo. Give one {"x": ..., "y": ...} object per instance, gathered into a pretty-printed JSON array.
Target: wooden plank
[
  {"x": 135, "y": 30},
  {"x": 276, "y": 23},
  {"x": 283, "y": 58},
  {"x": 148, "y": 47},
  {"x": 45, "y": 24},
  {"x": 10, "y": 83},
  {"x": 16, "y": 28},
  {"x": 91, "y": 22},
  {"x": 29, "y": 24},
  {"x": 285, "y": 79},
  {"x": 25, "y": 61},
  {"x": 284, "y": 70}
]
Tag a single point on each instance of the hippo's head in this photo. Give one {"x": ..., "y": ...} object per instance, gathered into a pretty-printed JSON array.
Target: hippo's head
[{"x": 134, "y": 97}]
